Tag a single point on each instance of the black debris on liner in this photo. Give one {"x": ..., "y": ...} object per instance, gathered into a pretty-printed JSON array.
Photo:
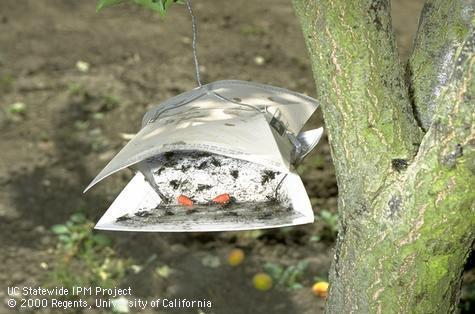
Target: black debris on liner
[
  {"x": 175, "y": 184},
  {"x": 264, "y": 215},
  {"x": 212, "y": 175},
  {"x": 202, "y": 154},
  {"x": 143, "y": 213},
  {"x": 267, "y": 176},
  {"x": 171, "y": 163},
  {"x": 272, "y": 199},
  {"x": 249, "y": 213},
  {"x": 159, "y": 171},
  {"x": 185, "y": 168},
  {"x": 169, "y": 155},
  {"x": 229, "y": 213},
  {"x": 123, "y": 218},
  {"x": 215, "y": 162},
  {"x": 232, "y": 201},
  {"x": 202, "y": 166},
  {"x": 202, "y": 187}
]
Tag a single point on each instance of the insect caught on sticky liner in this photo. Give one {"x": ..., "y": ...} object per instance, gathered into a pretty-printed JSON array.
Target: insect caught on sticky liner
[
  {"x": 267, "y": 176},
  {"x": 215, "y": 162},
  {"x": 143, "y": 213},
  {"x": 202, "y": 165},
  {"x": 235, "y": 174},
  {"x": 175, "y": 184},
  {"x": 202, "y": 187},
  {"x": 123, "y": 218},
  {"x": 159, "y": 171}
]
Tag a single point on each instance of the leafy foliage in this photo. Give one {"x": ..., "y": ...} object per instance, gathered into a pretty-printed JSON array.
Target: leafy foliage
[
  {"x": 85, "y": 258},
  {"x": 160, "y": 6},
  {"x": 290, "y": 276},
  {"x": 16, "y": 111},
  {"x": 76, "y": 234},
  {"x": 330, "y": 221}
]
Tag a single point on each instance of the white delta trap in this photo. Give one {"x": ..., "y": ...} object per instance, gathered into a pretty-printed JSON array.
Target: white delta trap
[{"x": 219, "y": 157}]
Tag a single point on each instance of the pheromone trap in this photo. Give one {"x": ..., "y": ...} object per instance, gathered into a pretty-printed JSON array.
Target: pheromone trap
[{"x": 218, "y": 157}]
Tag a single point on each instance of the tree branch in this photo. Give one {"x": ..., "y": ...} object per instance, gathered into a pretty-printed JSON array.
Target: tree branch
[
  {"x": 429, "y": 215},
  {"x": 360, "y": 84},
  {"x": 451, "y": 132},
  {"x": 442, "y": 29}
]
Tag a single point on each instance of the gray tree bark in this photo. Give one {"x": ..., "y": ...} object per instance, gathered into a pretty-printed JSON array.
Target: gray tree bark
[{"x": 404, "y": 151}]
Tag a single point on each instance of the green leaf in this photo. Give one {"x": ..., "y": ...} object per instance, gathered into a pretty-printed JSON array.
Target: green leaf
[
  {"x": 295, "y": 286},
  {"x": 60, "y": 229},
  {"x": 275, "y": 271},
  {"x": 17, "y": 108},
  {"x": 106, "y": 3},
  {"x": 150, "y": 259},
  {"x": 163, "y": 271},
  {"x": 160, "y": 6},
  {"x": 315, "y": 238},
  {"x": 64, "y": 238},
  {"x": 325, "y": 214},
  {"x": 101, "y": 240},
  {"x": 302, "y": 265},
  {"x": 78, "y": 218}
]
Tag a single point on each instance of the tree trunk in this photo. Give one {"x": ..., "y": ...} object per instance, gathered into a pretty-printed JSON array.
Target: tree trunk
[{"x": 404, "y": 152}]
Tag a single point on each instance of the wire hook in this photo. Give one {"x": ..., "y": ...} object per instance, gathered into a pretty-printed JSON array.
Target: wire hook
[{"x": 193, "y": 45}]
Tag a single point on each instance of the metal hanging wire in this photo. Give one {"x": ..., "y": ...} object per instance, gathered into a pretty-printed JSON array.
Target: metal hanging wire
[{"x": 193, "y": 44}]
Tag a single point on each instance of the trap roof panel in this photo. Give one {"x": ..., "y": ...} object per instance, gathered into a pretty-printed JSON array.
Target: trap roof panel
[
  {"x": 295, "y": 108},
  {"x": 232, "y": 118}
]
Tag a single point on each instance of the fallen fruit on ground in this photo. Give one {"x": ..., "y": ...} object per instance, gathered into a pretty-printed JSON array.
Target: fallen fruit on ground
[
  {"x": 320, "y": 289},
  {"x": 262, "y": 281},
  {"x": 235, "y": 257}
]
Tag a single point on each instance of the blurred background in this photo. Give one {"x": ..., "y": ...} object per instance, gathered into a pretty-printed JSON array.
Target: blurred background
[{"x": 74, "y": 86}]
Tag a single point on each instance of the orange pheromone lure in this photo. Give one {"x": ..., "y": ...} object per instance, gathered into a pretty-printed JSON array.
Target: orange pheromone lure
[
  {"x": 185, "y": 201},
  {"x": 222, "y": 199}
]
